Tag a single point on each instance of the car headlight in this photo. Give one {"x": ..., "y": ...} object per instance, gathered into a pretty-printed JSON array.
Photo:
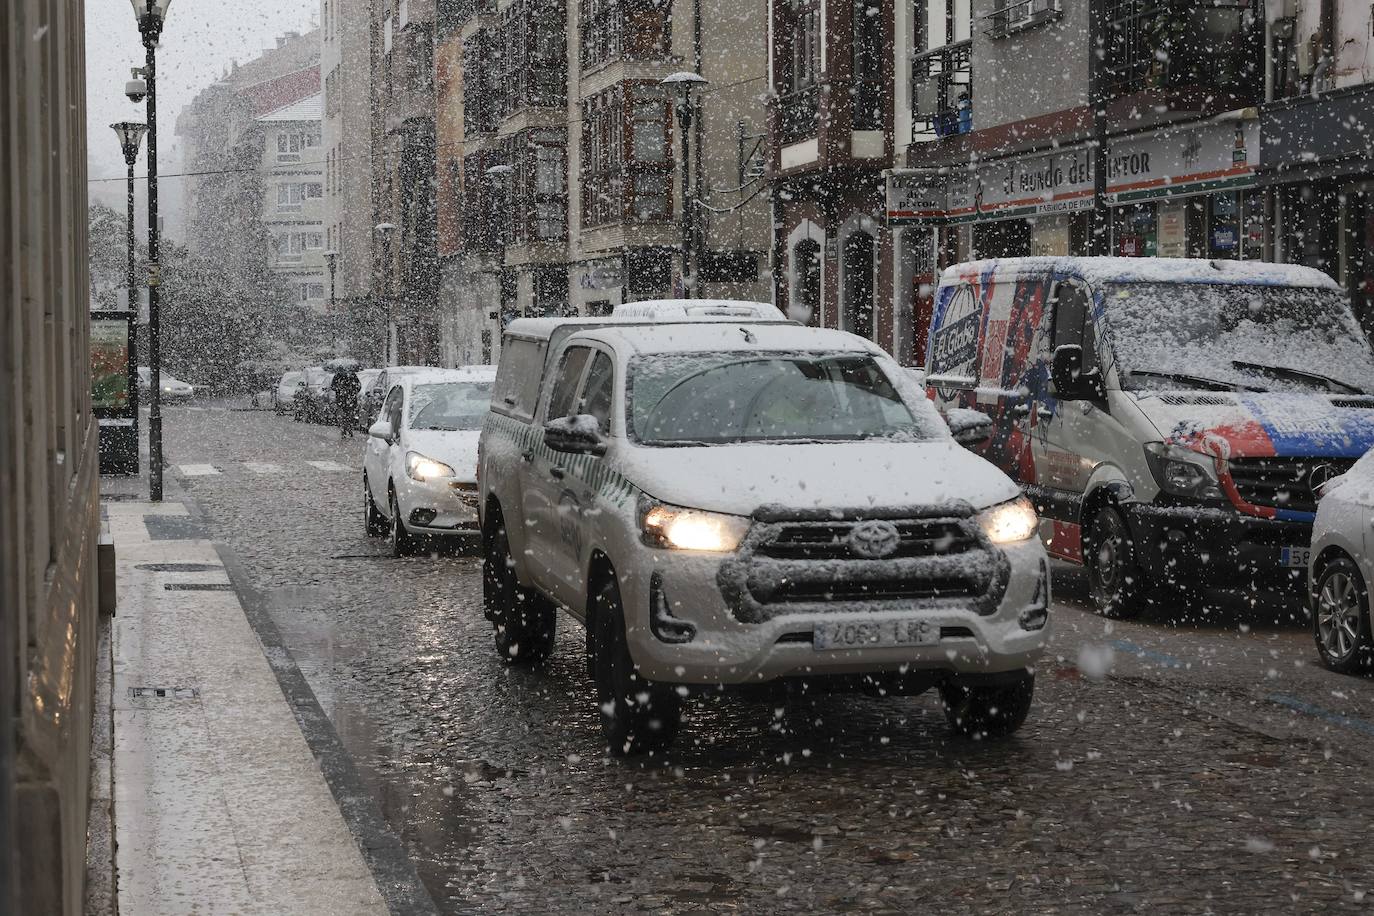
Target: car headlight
[
  {"x": 690, "y": 529},
  {"x": 1183, "y": 472},
  {"x": 1008, "y": 522},
  {"x": 421, "y": 468}
]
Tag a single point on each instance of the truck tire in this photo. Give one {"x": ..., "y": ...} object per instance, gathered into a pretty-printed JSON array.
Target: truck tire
[
  {"x": 637, "y": 716},
  {"x": 524, "y": 622},
  {"x": 1115, "y": 581},
  {"x": 988, "y": 711}
]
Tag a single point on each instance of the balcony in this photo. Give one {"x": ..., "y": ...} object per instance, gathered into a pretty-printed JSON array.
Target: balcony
[
  {"x": 942, "y": 91},
  {"x": 1185, "y": 50},
  {"x": 799, "y": 115},
  {"x": 1019, "y": 16}
]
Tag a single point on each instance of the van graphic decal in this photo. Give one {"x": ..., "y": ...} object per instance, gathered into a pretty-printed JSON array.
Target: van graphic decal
[{"x": 954, "y": 343}]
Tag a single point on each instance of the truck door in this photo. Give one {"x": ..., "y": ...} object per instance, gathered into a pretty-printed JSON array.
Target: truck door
[{"x": 549, "y": 524}]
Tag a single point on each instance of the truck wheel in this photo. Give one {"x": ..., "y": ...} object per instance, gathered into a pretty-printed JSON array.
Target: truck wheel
[
  {"x": 374, "y": 524},
  {"x": 1340, "y": 618},
  {"x": 1115, "y": 581},
  {"x": 524, "y": 622},
  {"x": 992, "y": 711},
  {"x": 637, "y": 716}
]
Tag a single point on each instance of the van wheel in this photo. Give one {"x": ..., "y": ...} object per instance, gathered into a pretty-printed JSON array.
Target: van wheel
[
  {"x": 524, "y": 622},
  {"x": 374, "y": 524},
  {"x": 992, "y": 711},
  {"x": 637, "y": 716},
  {"x": 1340, "y": 618},
  {"x": 1115, "y": 582}
]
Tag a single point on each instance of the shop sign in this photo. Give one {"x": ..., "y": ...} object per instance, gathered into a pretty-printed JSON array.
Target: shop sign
[
  {"x": 915, "y": 197},
  {"x": 1224, "y": 238},
  {"x": 1177, "y": 162},
  {"x": 1037, "y": 185}
]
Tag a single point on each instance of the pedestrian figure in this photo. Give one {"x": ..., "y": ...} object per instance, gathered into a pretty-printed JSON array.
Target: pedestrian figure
[{"x": 346, "y": 387}]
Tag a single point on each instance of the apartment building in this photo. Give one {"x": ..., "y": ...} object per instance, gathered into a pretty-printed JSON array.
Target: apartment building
[
  {"x": 346, "y": 77},
  {"x": 293, "y": 206},
  {"x": 560, "y": 172},
  {"x": 404, "y": 252}
]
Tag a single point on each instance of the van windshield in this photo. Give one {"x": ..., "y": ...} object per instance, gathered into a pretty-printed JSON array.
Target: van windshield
[
  {"x": 712, "y": 398},
  {"x": 1239, "y": 337}
]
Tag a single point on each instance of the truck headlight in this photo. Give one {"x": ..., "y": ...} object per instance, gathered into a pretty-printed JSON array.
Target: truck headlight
[
  {"x": 1008, "y": 522},
  {"x": 675, "y": 528},
  {"x": 1183, "y": 472},
  {"x": 421, "y": 468}
]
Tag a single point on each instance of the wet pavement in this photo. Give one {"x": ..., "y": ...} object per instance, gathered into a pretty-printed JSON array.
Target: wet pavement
[{"x": 1185, "y": 762}]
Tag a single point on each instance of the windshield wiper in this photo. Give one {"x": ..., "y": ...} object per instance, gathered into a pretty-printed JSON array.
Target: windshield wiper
[
  {"x": 1286, "y": 372},
  {"x": 1200, "y": 381}
]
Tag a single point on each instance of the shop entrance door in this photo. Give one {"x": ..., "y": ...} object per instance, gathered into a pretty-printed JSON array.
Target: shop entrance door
[
  {"x": 1357, "y": 252},
  {"x": 858, "y": 284}
]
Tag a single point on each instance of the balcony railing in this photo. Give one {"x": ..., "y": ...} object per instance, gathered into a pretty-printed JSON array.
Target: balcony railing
[
  {"x": 1172, "y": 45},
  {"x": 942, "y": 90},
  {"x": 799, "y": 114},
  {"x": 1020, "y": 15}
]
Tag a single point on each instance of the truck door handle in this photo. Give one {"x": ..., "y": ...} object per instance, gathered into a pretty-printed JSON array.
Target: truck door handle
[
  {"x": 557, "y": 473},
  {"x": 1044, "y": 413},
  {"x": 527, "y": 455}
]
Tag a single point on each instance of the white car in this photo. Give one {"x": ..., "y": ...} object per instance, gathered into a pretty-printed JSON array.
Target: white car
[
  {"x": 287, "y": 387},
  {"x": 420, "y": 467},
  {"x": 1340, "y": 567},
  {"x": 173, "y": 389},
  {"x": 732, "y": 503}
]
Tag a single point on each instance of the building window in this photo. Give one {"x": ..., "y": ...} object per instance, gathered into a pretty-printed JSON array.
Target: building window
[
  {"x": 482, "y": 54},
  {"x": 868, "y": 65},
  {"x": 627, "y": 155},
  {"x": 798, "y": 71},
  {"x": 539, "y": 186},
  {"x": 482, "y": 204},
  {"x": 623, "y": 30},
  {"x": 534, "y": 56},
  {"x": 311, "y": 291}
]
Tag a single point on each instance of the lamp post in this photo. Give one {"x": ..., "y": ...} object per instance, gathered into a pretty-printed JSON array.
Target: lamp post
[
  {"x": 386, "y": 231},
  {"x": 151, "y": 14},
  {"x": 330, "y": 258},
  {"x": 130, "y": 134},
  {"x": 681, "y": 84}
]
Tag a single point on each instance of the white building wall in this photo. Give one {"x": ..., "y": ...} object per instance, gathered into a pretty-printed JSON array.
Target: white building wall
[{"x": 291, "y": 213}]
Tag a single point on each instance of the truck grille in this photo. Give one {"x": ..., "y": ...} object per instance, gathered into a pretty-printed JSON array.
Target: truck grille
[
  {"x": 798, "y": 565},
  {"x": 1283, "y": 483}
]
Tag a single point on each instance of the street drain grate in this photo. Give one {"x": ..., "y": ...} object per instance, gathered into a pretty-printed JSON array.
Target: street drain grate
[
  {"x": 178, "y": 567},
  {"x": 198, "y": 587},
  {"x": 164, "y": 693}
]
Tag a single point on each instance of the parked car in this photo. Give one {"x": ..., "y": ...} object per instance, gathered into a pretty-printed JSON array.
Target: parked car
[
  {"x": 727, "y": 503},
  {"x": 370, "y": 399},
  {"x": 364, "y": 416},
  {"x": 173, "y": 389},
  {"x": 1342, "y": 568},
  {"x": 1170, "y": 418},
  {"x": 314, "y": 400},
  {"x": 284, "y": 395},
  {"x": 420, "y": 464}
]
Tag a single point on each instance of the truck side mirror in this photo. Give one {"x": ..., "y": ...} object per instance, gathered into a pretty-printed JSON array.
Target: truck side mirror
[
  {"x": 971, "y": 428},
  {"x": 1070, "y": 382},
  {"x": 579, "y": 435}
]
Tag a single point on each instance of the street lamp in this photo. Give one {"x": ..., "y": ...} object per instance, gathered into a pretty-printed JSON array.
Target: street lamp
[
  {"x": 330, "y": 258},
  {"x": 130, "y": 134},
  {"x": 681, "y": 84},
  {"x": 386, "y": 231},
  {"x": 151, "y": 14}
]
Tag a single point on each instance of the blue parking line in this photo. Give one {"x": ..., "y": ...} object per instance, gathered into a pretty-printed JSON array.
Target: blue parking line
[
  {"x": 1167, "y": 661},
  {"x": 1326, "y": 715}
]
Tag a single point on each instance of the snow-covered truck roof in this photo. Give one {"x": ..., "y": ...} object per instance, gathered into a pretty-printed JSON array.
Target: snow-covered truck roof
[
  {"x": 1151, "y": 270},
  {"x": 731, "y": 337}
]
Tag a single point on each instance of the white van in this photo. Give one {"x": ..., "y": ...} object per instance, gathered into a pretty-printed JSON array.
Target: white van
[
  {"x": 1171, "y": 419},
  {"x": 689, "y": 309},
  {"x": 728, "y": 503}
]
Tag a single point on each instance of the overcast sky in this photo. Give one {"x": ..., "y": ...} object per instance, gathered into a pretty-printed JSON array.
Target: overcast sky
[{"x": 199, "y": 41}]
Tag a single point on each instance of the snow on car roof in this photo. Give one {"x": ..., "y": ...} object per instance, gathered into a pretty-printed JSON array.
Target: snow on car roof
[
  {"x": 711, "y": 337},
  {"x": 434, "y": 376},
  {"x": 1153, "y": 270}
]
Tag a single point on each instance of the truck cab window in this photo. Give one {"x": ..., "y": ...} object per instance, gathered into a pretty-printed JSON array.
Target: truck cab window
[
  {"x": 1073, "y": 322},
  {"x": 564, "y": 390},
  {"x": 597, "y": 392}
]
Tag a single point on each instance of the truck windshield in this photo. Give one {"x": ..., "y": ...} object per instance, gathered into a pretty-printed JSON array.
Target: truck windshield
[
  {"x": 707, "y": 399},
  {"x": 1236, "y": 336}
]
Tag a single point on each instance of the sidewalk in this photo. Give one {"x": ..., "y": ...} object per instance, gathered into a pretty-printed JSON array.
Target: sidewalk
[{"x": 219, "y": 804}]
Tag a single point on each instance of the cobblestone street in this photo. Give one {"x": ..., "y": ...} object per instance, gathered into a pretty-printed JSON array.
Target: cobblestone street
[{"x": 1183, "y": 762}]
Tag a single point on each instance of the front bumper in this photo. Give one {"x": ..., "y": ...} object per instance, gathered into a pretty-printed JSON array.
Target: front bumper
[
  {"x": 437, "y": 507},
  {"x": 1217, "y": 548},
  {"x": 974, "y": 640}
]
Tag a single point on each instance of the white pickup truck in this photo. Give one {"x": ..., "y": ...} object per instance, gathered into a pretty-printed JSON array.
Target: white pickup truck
[{"x": 728, "y": 503}]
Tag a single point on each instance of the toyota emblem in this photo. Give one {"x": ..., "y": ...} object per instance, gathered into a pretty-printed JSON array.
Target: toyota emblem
[{"x": 874, "y": 539}]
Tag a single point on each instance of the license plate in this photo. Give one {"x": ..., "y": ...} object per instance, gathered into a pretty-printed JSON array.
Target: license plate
[
  {"x": 1295, "y": 557},
  {"x": 875, "y": 634}
]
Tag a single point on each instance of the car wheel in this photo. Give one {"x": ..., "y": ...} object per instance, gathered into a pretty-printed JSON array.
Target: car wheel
[
  {"x": 1340, "y": 619},
  {"x": 992, "y": 711},
  {"x": 524, "y": 622},
  {"x": 637, "y": 716},
  {"x": 1115, "y": 582},
  {"x": 402, "y": 542},
  {"x": 374, "y": 523}
]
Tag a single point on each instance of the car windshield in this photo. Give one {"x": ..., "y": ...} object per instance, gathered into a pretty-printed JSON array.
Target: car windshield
[
  {"x": 708, "y": 398},
  {"x": 1236, "y": 336},
  {"x": 291, "y": 378},
  {"x": 450, "y": 405}
]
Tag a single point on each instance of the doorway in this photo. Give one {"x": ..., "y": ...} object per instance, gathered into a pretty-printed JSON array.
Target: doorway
[{"x": 858, "y": 284}]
